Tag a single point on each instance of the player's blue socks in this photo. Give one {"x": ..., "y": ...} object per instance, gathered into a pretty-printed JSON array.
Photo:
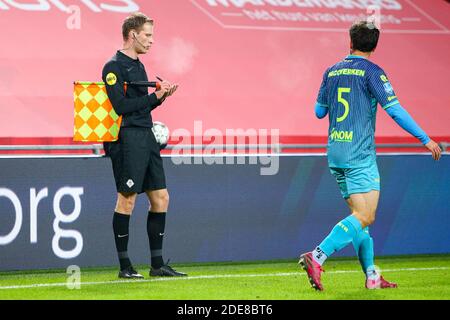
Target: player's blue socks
[
  {"x": 342, "y": 234},
  {"x": 363, "y": 244}
]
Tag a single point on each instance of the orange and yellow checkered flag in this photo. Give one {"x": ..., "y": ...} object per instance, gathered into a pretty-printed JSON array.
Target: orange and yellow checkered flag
[{"x": 94, "y": 117}]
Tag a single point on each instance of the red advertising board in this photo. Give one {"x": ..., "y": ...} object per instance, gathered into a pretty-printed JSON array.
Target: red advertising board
[{"x": 240, "y": 63}]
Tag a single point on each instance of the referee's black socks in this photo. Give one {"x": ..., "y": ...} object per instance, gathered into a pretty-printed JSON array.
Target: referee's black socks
[
  {"x": 156, "y": 223},
  {"x": 121, "y": 224}
]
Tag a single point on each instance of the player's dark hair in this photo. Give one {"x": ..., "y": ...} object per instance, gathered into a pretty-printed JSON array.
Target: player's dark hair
[
  {"x": 136, "y": 22},
  {"x": 364, "y": 36}
]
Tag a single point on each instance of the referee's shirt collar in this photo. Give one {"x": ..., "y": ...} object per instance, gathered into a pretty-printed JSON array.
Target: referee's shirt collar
[{"x": 123, "y": 56}]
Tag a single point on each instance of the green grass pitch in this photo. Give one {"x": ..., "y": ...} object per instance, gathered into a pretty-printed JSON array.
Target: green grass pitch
[{"x": 421, "y": 277}]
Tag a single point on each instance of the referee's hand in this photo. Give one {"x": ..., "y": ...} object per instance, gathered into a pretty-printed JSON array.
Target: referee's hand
[
  {"x": 172, "y": 90},
  {"x": 163, "y": 91},
  {"x": 435, "y": 149}
]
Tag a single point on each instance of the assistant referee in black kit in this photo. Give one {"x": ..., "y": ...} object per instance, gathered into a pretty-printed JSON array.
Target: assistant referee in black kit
[{"x": 135, "y": 156}]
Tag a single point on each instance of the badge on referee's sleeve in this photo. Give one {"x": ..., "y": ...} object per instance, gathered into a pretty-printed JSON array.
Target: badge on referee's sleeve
[{"x": 111, "y": 79}]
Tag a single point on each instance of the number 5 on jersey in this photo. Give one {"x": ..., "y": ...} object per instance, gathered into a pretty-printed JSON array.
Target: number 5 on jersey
[{"x": 344, "y": 102}]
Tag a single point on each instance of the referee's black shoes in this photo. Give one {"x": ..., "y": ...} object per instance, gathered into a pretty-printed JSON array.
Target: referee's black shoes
[
  {"x": 130, "y": 273},
  {"x": 166, "y": 271}
]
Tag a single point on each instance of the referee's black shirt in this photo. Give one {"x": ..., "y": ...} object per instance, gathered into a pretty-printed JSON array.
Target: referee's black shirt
[{"x": 135, "y": 105}]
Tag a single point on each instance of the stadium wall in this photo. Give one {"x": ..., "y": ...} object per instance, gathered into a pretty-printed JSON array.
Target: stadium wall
[
  {"x": 58, "y": 212},
  {"x": 240, "y": 64}
]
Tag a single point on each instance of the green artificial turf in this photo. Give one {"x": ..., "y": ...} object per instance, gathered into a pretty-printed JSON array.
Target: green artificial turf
[{"x": 418, "y": 277}]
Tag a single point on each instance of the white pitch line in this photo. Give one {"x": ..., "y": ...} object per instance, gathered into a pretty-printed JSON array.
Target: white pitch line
[{"x": 214, "y": 276}]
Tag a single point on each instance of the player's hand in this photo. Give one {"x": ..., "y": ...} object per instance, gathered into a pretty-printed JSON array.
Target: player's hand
[{"x": 435, "y": 149}]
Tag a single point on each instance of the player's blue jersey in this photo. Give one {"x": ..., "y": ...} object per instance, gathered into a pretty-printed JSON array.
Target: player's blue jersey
[{"x": 351, "y": 90}]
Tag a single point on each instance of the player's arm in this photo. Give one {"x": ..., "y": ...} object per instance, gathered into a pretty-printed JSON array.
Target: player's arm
[
  {"x": 321, "y": 111},
  {"x": 382, "y": 90},
  {"x": 321, "y": 107},
  {"x": 404, "y": 120},
  {"x": 116, "y": 93}
]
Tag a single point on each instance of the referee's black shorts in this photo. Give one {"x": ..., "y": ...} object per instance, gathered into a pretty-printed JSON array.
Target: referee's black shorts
[{"x": 136, "y": 161}]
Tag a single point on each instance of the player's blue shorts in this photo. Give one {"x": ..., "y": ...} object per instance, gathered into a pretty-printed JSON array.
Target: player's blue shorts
[{"x": 357, "y": 180}]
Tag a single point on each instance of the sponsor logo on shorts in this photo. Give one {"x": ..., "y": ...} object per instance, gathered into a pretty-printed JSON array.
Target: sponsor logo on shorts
[{"x": 130, "y": 183}]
